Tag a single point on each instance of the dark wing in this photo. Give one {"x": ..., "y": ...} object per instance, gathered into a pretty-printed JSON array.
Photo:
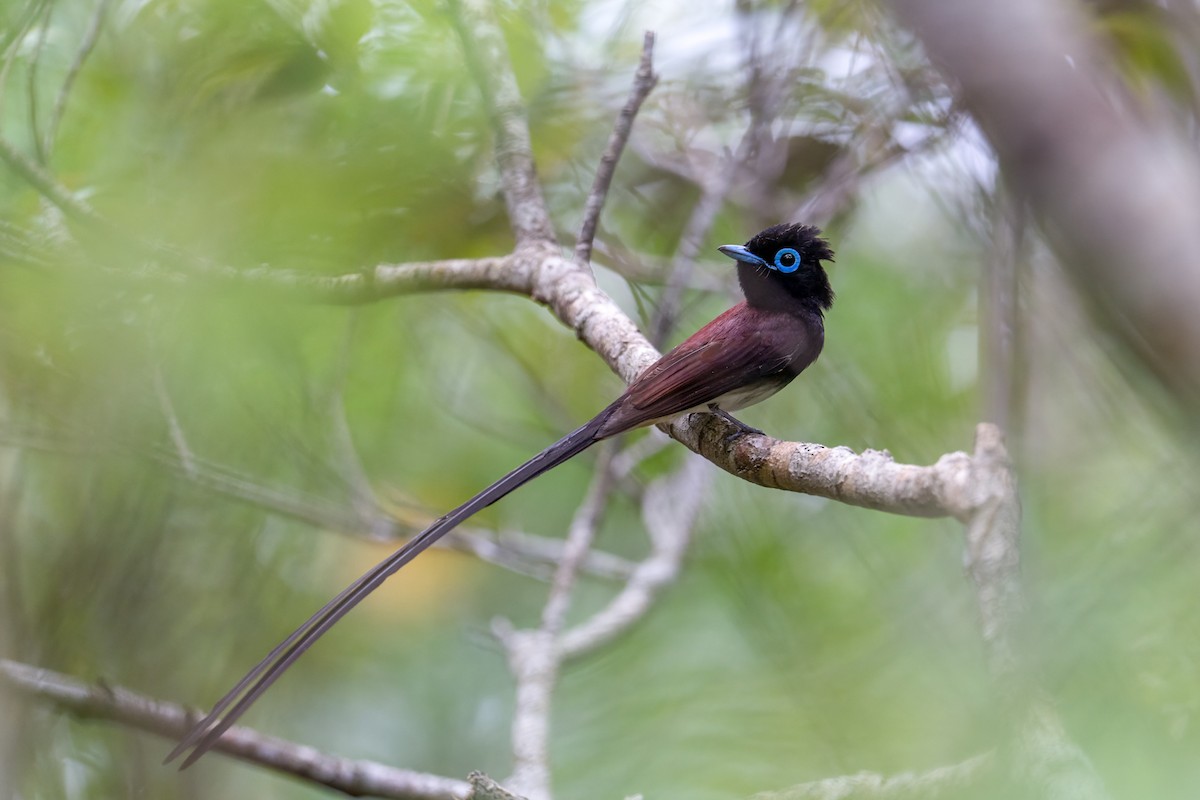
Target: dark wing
[{"x": 699, "y": 371}]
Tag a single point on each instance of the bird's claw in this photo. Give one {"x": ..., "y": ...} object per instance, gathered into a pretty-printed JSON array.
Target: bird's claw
[{"x": 742, "y": 428}]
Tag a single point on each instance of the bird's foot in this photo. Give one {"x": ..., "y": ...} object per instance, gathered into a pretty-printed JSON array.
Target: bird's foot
[{"x": 742, "y": 428}]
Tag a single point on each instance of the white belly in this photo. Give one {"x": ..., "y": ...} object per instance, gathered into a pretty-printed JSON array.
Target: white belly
[{"x": 746, "y": 396}]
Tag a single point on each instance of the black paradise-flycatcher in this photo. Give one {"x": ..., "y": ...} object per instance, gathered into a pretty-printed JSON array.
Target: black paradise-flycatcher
[{"x": 742, "y": 357}]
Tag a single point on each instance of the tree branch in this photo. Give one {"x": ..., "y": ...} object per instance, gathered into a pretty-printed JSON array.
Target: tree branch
[
  {"x": 352, "y": 777},
  {"x": 644, "y": 81},
  {"x": 490, "y": 65},
  {"x": 670, "y": 509},
  {"x": 502, "y": 273},
  {"x": 533, "y": 655},
  {"x": 872, "y": 479}
]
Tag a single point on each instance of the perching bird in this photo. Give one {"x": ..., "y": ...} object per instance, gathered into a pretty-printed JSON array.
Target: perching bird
[{"x": 740, "y": 358}]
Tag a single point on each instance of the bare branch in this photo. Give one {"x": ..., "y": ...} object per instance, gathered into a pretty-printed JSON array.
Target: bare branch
[
  {"x": 533, "y": 655},
  {"x": 490, "y": 64},
  {"x": 704, "y": 214},
  {"x": 648, "y": 269},
  {"x": 536, "y": 556},
  {"x": 644, "y": 82},
  {"x": 872, "y": 479},
  {"x": 580, "y": 536},
  {"x": 353, "y": 777},
  {"x": 536, "y": 656},
  {"x": 670, "y": 509},
  {"x": 993, "y": 547},
  {"x": 534, "y": 663},
  {"x": 352, "y": 288}
]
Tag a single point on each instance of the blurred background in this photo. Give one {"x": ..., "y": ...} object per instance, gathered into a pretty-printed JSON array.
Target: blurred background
[{"x": 189, "y": 466}]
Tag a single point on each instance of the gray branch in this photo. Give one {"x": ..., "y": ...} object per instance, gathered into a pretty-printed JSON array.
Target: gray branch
[
  {"x": 352, "y": 777},
  {"x": 487, "y": 57},
  {"x": 670, "y": 510},
  {"x": 644, "y": 82}
]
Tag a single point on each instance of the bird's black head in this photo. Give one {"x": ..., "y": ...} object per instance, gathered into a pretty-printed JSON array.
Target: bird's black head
[{"x": 780, "y": 268}]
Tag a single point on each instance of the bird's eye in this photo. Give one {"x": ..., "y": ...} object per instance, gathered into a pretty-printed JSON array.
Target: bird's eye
[{"x": 787, "y": 260}]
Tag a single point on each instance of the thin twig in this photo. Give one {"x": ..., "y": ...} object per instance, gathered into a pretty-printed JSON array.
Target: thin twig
[
  {"x": 669, "y": 510},
  {"x": 580, "y": 536},
  {"x": 535, "y": 556},
  {"x": 88, "y": 43},
  {"x": 533, "y": 661},
  {"x": 643, "y": 268},
  {"x": 517, "y": 551},
  {"x": 353, "y": 777},
  {"x": 644, "y": 81},
  {"x": 704, "y": 214},
  {"x": 186, "y": 459},
  {"x": 713, "y": 189},
  {"x": 873, "y": 151}
]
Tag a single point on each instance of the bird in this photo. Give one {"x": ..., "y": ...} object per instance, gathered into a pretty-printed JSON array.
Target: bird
[{"x": 742, "y": 357}]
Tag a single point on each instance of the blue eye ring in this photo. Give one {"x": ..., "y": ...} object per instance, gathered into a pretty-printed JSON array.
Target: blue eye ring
[{"x": 787, "y": 260}]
